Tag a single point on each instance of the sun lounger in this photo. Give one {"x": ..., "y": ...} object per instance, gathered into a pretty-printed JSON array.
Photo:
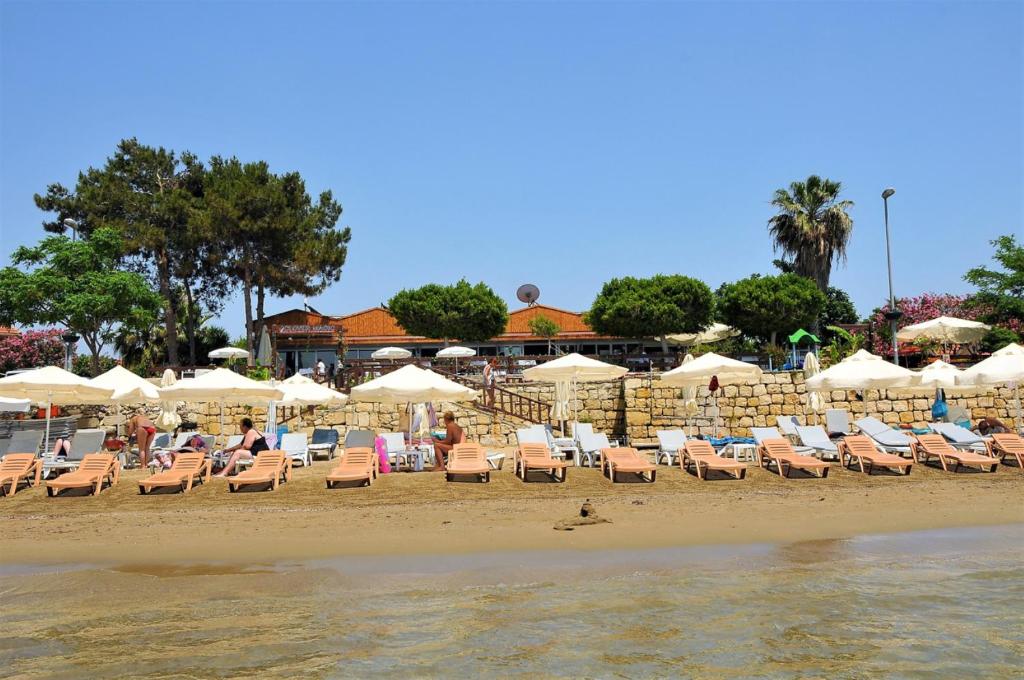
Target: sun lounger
[
  {"x": 17, "y": 467},
  {"x": 889, "y": 439},
  {"x": 787, "y": 425},
  {"x": 360, "y": 439},
  {"x": 92, "y": 472},
  {"x": 670, "y": 445},
  {"x": 781, "y": 453},
  {"x": 537, "y": 456},
  {"x": 1003, "y": 445},
  {"x": 837, "y": 422},
  {"x": 625, "y": 459},
  {"x": 702, "y": 456},
  {"x": 761, "y": 434},
  {"x": 357, "y": 464},
  {"x": 960, "y": 437},
  {"x": 863, "y": 449},
  {"x": 83, "y": 443},
  {"x": 815, "y": 437},
  {"x": 468, "y": 459},
  {"x": 935, "y": 445},
  {"x": 591, "y": 446},
  {"x": 324, "y": 439},
  {"x": 22, "y": 441},
  {"x": 269, "y": 467},
  {"x": 187, "y": 469},
  {"x": 296, "y": 446}
]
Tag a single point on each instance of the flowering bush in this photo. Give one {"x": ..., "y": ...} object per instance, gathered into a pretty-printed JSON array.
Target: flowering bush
[
  {"x": 32, "y": 349},
  {"x": 923, "y": 308}
]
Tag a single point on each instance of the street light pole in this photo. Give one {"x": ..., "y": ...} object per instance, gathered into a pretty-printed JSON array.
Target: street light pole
[{"x": 893, "y": 315}]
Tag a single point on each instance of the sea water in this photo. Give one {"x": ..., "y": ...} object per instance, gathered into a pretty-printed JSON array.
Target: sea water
[{"x": 936, "y": 604}]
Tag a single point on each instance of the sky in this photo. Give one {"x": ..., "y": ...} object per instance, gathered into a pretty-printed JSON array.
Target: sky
[{"x": 560, "y": 144}]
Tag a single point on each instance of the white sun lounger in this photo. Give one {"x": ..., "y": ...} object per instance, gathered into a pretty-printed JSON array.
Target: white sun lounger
[
  {"x": 884, "y": 436},
  {"x": 762, "y": 433},
  {"x": 837, "y": 422},
  {"x": 816, "y": 437},
  {"x": 296, "y": 446},
  {"x": 590, "y": 447},
  {"x": 960, "y": 437},
  {"x": 669, "y": 443}
]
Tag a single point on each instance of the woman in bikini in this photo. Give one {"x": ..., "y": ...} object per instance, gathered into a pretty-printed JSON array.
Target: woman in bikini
[
  {"x": 252, "y": 443},
  {"x": 144, "y": 431}
]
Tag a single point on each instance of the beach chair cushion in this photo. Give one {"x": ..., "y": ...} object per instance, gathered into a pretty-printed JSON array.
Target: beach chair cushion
[
  {"x": 187, "y": 469},
  {"x": 468, "y": 459},
  {"x": 357, "y": 464},
  {"x": 271, "y": 467},
  {"x": 16, "y": 467},
  {"x": 863, "y": 449},
  {"x": 94, "y": 470}
]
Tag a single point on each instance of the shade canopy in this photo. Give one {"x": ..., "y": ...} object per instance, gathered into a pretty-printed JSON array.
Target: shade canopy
[
  {"x": 228, "y": 353},
  {"x": 391, "y": 353},
  {"x": 575, "y": 367},
  {"x": 412, "y": 384},
  {"x": 1004, "y": 366},
  {"x": 301, "y": 391},
  {"x": 863, "y": 370},
  {"x": 704, "y": 367},
  {"x": 456, "y": 352},
  {"x": 222, "y": 385},
  {"x": 947, "y": 329},
  {"x": 128, "y": 387},
  {"x": 52, "y": 385},
  {"x": 264, "y": 352},
  {"x": 14, "y": 405},
  {"x": 713, "y": 333}
]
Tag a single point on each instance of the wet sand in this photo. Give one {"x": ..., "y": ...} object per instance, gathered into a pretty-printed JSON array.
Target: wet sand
[{"x": 421, "y": 514}]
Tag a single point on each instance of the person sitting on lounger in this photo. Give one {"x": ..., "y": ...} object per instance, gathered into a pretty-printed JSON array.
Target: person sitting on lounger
[
  {"x": 252, "y": 443},
  {"x": 144, "y": 431},
  {"x": 453, "y": 435}
]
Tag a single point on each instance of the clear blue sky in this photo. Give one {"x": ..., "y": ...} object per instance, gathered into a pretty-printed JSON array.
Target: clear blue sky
[{"x": 558, "y": 144}]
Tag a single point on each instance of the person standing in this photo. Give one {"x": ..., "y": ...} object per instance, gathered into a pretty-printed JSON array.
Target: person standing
[
  {"x": 144, "y": 431},
  {"x": 321, "y": 371},
  {"x": 490, "y": 378}
]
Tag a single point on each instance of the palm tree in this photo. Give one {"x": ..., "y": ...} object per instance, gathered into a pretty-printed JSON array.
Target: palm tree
[{"x": 812, "y": 227}]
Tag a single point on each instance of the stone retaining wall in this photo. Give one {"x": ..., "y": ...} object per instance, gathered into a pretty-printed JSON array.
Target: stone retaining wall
[{"x": 637, "y": 406}]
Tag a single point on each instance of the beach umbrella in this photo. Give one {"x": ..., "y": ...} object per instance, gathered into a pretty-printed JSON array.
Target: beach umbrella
[
  {"x": 412, "y": 385},
  {"x": 51, "y": 385},
  {"x": 560, "y": 407},
  {"x": 944, "y": 329},
  {"x": 861, "y": 371},
  {"x": 713, "y": 333},
  {"x": 128, "y": 387},
  {"x": 574, "y": 368},
  {"x": 228, "y": 353},
  {"x": 690, "y": 406},
  {"x": 391, "y": 353},
  {"x": 301, "y": 391},
  {"x": 711, "y": 367},
  {"x": 815, "y": 402},
  {"x": 221, "y": 385},
  {"x": 168, "y": 419},
  {"x": 456, "y": 353},
  {"x": 14, "y": 405},
  {"x": 1004, "y": 367},
  {"x": 263, "y": 352}
]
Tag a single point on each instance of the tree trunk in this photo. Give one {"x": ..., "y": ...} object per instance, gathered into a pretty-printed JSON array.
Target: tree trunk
[
  {"x": 261, "y": 294},
  {"x": 170, "y": 313},
  {"x": 664, "y": 344},
  {"x": 94, "y": 354},
  {"x": 247, "y": 296},
  {"x": 190, "y": 323}
]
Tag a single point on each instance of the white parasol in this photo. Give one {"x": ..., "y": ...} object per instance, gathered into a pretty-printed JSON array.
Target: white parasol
[
  {"x": 574, "y": 368},
  {"x": 1004, "y": 367},
  {"x": 51, "y": 385},
  {"x": 168, "y": 419},
  {"x": 815, "y": 402},
  {"x": 229, "y": 353},
  {"x": 707, "y": 366},
  {"x": 391, "y": 353}
]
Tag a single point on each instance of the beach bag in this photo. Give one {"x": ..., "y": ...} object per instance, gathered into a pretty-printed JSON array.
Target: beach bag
[
  {"x": 939, "y": 408},
  {"x": 382, "y": 453}
]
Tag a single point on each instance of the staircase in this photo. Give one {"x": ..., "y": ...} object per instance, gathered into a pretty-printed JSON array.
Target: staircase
[{"x": 506, "y": 402}]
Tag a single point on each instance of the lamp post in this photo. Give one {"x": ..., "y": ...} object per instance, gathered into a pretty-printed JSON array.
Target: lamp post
[
  {"x": 70, "y": 339},
  {"x": 73, "y": 226},
  {"x": 893, "y": 315}
]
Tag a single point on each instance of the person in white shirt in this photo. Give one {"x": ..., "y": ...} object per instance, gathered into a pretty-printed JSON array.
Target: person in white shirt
[{"x": 321, "y": 370}]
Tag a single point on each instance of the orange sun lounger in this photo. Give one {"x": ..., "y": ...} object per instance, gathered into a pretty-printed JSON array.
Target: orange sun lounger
[
  {"x": 187, "y": 469},
  {"x": 700, "y": 454},
  {"x": 625, "y": 459},
  {"x": 863, "y": 449},
  {"x": 935, "y": 445},
  {"x": 357, "y": 463},
  {"x": 780, "y": 452},
  {"x": 268, "y": 467},
  {"x": 468, "y": 459},
  {"x": 94, "y": 469},
  {"x": 1004, "y": 445},
  {"x": 19, "y": 466},
  {"x": 538, "y": 457}
]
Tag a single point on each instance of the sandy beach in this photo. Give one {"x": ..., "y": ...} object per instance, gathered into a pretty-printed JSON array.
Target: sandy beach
[{"x": 420, "y": 514}]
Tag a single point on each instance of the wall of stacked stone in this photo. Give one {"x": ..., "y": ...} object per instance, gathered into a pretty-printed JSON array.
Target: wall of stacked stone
[{"x": 637, "y": 406}]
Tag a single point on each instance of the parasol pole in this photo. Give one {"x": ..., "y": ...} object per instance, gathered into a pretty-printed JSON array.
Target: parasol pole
[{"x": 49, "y": 407}]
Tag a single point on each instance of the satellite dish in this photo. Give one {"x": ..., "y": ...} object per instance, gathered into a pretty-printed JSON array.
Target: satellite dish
[{"x": 528, "y": 293}]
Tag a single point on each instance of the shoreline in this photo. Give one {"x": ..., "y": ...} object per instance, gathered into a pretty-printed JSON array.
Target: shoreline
[{"x": 421, "y": 515}]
